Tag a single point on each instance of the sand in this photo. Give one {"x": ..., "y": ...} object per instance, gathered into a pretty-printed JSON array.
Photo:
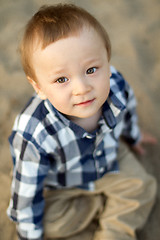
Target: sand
[{"x": 134, "y": 29}]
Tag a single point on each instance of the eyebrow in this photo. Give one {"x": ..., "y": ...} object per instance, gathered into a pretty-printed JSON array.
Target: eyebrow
[
  {"x": 57, "y": 72},
  {"x": 92, "y": 60}
]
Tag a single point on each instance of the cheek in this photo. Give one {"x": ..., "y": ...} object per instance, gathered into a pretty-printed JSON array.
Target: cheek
[
  {"x": 104, "y": 90},
  {"x": 104, "y": 85},
  {"x": 58, "y": 99}
]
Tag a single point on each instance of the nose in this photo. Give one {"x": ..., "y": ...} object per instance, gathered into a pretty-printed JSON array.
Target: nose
[{"x": 81, "y": 86}]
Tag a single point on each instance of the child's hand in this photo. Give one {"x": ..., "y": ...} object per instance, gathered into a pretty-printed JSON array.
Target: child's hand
[{"x": 146, "y": 139}]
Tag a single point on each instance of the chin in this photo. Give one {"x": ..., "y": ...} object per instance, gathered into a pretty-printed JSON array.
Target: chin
[{"x": 89, "y": 115}]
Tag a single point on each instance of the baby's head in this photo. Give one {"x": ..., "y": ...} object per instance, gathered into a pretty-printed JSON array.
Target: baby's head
[
  {"x": 52, "y": 23},
  {"x": 65, "y": 54}
]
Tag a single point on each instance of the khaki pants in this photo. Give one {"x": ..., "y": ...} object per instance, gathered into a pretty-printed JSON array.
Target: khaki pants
[{"x": 118, "y": 207}]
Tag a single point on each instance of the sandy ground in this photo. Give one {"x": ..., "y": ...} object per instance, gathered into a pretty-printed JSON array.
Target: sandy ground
[{"x": 134, "y": 29}]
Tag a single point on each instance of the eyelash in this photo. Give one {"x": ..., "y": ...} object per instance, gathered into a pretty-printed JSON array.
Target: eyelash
[
  {"x": 93, "y": 70},
  {"x": 62, "y": 80}
]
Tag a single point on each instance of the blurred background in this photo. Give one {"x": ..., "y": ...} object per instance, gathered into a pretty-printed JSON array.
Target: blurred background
[{"x": 134, "y": 30}]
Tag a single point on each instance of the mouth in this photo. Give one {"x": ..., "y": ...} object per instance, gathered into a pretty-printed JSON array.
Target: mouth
[{"x": 86, "y": 103}]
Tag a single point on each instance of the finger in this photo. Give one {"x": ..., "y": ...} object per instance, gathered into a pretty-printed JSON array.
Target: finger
[
  {"x": 138, "y": 149},
  {"x": 148, "y": 138}
]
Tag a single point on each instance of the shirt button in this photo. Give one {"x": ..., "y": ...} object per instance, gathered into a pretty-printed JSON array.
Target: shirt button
[
  {"x": 89, "y": 136},
  {"x": 101, "y": 169},
  {"x": 99, "y": 153}
]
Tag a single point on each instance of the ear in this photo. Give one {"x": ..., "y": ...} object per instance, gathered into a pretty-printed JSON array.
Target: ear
[
  {"x": 37, "y": 88},
  {"x": 110, "y": 74}
]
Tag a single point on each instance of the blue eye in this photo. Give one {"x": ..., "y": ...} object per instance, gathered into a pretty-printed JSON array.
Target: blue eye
[
  {"x": 62, "y": 80},
  {"x": 91, "y": 70}
]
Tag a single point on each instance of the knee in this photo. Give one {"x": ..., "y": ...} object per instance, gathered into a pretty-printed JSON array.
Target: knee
[
  {"x": 152, "y": 185},
  {"x": 149, "y": 186}
]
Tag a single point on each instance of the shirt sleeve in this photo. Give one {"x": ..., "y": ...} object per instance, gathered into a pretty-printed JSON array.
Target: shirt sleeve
[
  {"x": 131, "y": 131},
  {"x": 27, "y": 204}
]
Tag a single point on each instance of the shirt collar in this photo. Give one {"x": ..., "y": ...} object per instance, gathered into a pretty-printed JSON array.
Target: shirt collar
[
  {"x": 111, "y": 109},
  {"x": 80, "y": 132}
]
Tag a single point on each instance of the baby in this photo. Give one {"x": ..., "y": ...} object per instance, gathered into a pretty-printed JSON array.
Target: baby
[{"x": 73, "y": 177}]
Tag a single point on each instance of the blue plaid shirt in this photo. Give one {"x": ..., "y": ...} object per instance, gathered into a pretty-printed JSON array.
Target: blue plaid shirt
[{"x": 48, "y": 150}]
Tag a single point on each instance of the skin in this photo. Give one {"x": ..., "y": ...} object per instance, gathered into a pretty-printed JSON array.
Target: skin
[
  {"x": 146, "y": 138},
  {"x": 74, "y": 74}
]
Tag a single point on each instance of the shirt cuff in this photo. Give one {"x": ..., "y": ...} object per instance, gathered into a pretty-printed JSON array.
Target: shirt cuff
[{"x": 28, "y": 231}]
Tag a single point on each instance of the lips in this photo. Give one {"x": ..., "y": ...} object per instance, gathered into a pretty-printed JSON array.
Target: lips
[{"x": 85, "y": 103}]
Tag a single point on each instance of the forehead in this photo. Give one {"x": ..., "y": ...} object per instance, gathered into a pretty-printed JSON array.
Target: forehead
[{"x": 86, "y": 38}]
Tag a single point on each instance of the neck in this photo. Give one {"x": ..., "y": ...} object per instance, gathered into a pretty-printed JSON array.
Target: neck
[{"x": 89, "y": 124}]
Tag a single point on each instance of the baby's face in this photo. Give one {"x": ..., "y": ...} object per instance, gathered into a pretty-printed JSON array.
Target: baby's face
[{"x": 73, "y": 73}]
